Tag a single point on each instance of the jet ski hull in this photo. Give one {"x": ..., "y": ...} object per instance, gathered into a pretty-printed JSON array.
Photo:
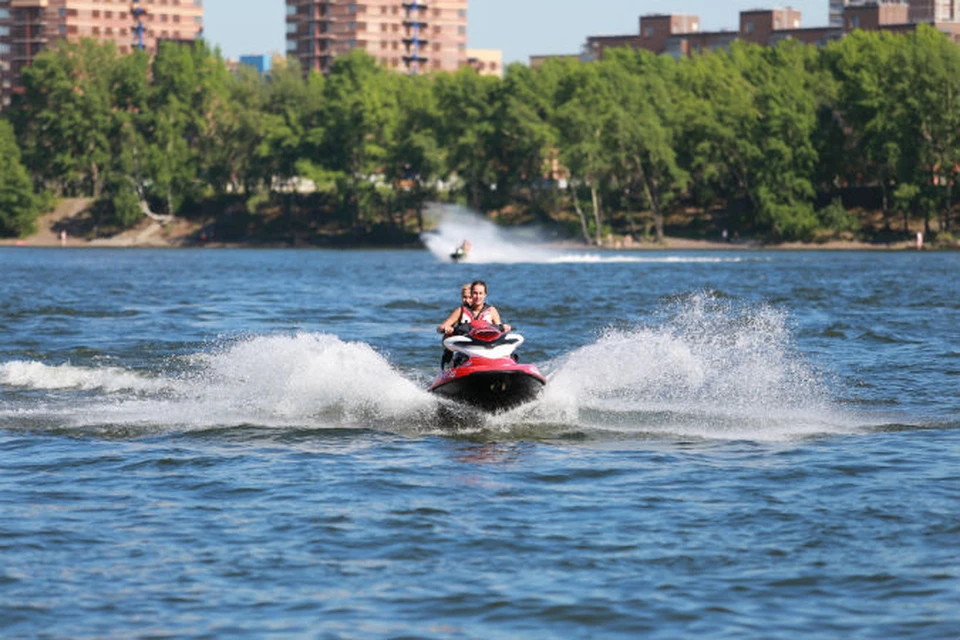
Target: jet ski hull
[{"x": 490, "y": 385}]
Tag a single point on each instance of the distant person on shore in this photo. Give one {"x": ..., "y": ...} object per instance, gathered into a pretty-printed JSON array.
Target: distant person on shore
[{"x": 63, "y": 237}]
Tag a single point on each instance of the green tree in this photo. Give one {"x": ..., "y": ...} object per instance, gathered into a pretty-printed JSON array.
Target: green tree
[
  {"x": 788, "y": 106},
  {"x": 524, "y": 138},
  {"x": 361, "y": 115},
  {"x": 190, "y": 90},
  {"x": 927, "y": 94},
  {"x": 751, "y": 114},
  {"x": 415, "y": 160},
  {"x": 638, "y": 137},
  {"x": 865, "y": 108},
  {"x": 19, "y": 207},
  {"x": 466, "y": 103},
  {"x": 65, "y": 115},
  {"x": 586, "y": 102}
]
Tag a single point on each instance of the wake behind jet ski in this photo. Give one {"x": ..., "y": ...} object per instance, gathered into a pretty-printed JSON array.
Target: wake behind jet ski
[{"x": 485, "y": 373}]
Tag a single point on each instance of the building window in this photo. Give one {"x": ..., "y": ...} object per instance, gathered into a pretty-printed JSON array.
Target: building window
[
  {"x": 648, "y": 31},
  {"x": 748, "y": 27}
]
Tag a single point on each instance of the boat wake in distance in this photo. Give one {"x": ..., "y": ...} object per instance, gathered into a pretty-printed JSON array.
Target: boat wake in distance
[{"x": 491, "y": 244}]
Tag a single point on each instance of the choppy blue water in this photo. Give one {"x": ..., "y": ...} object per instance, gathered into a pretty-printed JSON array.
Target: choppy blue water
[{"x": 236, "y": 443}]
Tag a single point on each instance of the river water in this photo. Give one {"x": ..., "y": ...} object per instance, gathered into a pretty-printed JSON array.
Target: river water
[{"x": 237, "y": 443}]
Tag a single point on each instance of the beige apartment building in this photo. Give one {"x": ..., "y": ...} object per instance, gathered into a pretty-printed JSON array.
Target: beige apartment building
[
  {"x": 679, "y": 35},
  {"x": 407, "y": 36},
  {"x": 486, "y": 62},
  {"x": 934, "y": 10},
  {"x": 28, "y": 26}
]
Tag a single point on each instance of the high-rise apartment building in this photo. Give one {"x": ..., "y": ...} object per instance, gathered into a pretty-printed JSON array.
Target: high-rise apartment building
[
  {"x": 408, "y": 36},
  {"x": 836, "y": 10},
  {"x": 6, "y": 81},
  {"x": 929, "y": 11},
  {"x": 934, "y": 10},
  {"x": 28, "y": 26}
]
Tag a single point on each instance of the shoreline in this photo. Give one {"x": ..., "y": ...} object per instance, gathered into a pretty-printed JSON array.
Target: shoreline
[{"x": 184, "y": 233}]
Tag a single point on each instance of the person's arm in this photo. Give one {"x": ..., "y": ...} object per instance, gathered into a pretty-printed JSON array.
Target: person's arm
[
  {"x": 446, "y": 327},
  {"x": 495, "y": 316}
]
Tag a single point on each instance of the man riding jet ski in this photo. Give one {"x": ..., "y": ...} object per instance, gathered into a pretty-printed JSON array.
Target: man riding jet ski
[
  {"x": 485, "y": 371},
  {"x": 461, "y": 252}
]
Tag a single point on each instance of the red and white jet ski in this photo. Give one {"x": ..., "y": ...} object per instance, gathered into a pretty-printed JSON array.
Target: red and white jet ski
[{"x": 485, "y": 373}]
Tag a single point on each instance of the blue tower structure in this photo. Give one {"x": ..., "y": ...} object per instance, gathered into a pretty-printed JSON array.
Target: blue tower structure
[
  {"x": 413, "y": 21},
  {"x": 138, "y": 12}
]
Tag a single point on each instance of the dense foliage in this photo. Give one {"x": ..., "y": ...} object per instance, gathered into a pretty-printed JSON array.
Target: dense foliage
[
  {"x": 772, "y": 136},
  {"x": 18, "y": 204}
]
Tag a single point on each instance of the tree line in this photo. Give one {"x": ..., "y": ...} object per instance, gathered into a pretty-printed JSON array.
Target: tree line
[{"x": 772, "y": 135}]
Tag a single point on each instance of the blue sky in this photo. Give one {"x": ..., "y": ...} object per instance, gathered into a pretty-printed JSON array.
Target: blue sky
[{"x": 531, "y": 27}]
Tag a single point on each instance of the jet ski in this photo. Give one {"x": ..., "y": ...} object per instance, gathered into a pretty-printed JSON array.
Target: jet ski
[
  {"x": 461, "y": 252},
  {"x": 485, "y": 373}
]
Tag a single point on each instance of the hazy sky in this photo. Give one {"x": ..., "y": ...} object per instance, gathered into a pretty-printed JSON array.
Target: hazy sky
[{"x": 519, "y": 28}]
